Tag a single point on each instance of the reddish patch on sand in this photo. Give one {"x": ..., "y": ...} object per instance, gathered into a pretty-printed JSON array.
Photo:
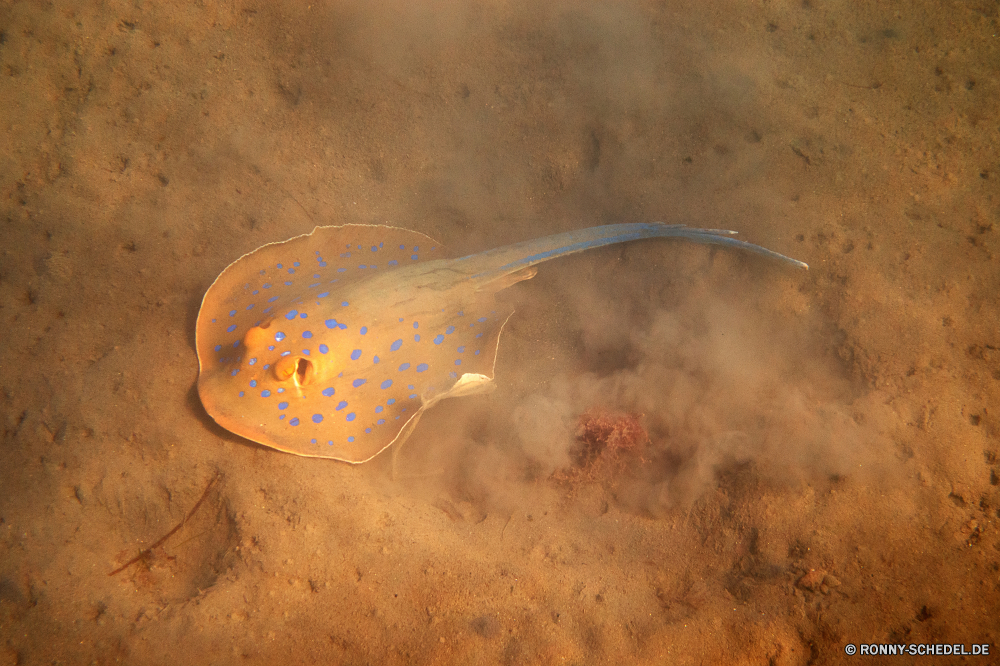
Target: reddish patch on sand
[{"x": 607, "y": 445}]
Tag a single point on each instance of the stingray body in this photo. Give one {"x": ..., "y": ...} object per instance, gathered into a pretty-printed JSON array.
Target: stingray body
[{"x": 332, "y": 344}]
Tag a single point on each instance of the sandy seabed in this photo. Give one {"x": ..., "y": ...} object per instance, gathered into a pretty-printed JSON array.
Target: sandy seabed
[{"x": 823, "y": 465}]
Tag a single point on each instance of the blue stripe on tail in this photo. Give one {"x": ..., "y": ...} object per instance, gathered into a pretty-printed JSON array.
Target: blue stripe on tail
[{"x": 522, "y": 255}]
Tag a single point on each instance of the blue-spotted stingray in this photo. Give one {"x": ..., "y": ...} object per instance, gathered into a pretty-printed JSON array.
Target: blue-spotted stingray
[{"x": 333, "y": 343}]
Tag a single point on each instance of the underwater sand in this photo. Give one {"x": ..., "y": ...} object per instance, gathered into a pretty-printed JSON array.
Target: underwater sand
[{"x": 823, "y": 456}]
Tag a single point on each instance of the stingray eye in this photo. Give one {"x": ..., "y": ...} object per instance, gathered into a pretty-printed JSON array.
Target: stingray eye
[{"x": 295, "y": 367}]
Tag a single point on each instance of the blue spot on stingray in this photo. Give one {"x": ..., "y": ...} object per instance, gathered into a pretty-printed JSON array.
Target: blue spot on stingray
[
  {"x": 342, "y": 326},
  {"x": 364, "y": 329},
  {"x": 341, "y": 270},
  {"x": 461, "y": 313},
  {"x": 351, "y": 416},
  {"x": 386, "y": 384},
  {"x": 410, "y": 386},
  {"x": 281, "y": 416},
  {"x": 413, "y": 257},
  {"x": 374, "y": 248},
  {"x": 380, "y": 422},
  {"x": 317, "y": 418},
  {"x": 481, "y": 319},
  {"x": 461, "y": 349},
  {"x": 287, "y": 283},
  {"x": 358, "y": 382},
  {"x": 368, "y": 431},
  {"x": 282, "y": 405},
  {"x": 362, "y": 267},
  {"x": 351, "y": 438},
  {"x": 405, "y": 366},
  {"x": 477, "y": 353},
  {"x": 356, "y": 354},
  {"x": 273, "y": 299},
  {"x": 266, "y": 285},
  {"x": 396, "y": 345},
  {"x": 458, "y": 361},
  {"x": 393, "y": 262},
  {"x": 449, "y": 330},
  {"x": 250, "y": 307},
  {"x": 378, "y": 410},
  {"x": 255, "y": 292},
  {"x": 323, "y": 295},
  {"x": 279, "y": 336},
  {"x": 233, "y": 373},
  {"x": 313, "y": 440},
  {"x": 453, "y": 374},
  {"x": 280, "y": 266},
  {"x": 390, "y": 401},
  {"x": 344, "y": 303},
  {"x": 376, "y": 359},
  {"x": 416, "y": 324},
  {"x": 416, "y": 248},
  {"x": 294, "y": 422},
  {"x": 253, "y": 383},
  {"x": 291, "y": 270},
  {"x": 328, "y": 391},
  {"x": 296, "y": 263},
  {"x": 402, "y": 247},
  {"x": 331, "y": 323},
  {"x": 438, "y": 339},
  {"x": 281, "y": 390},
  {"x": 341, "y": 405},
  {"x": 307, "y": 334},
  {"x": 412, "y": 397},
  {"x": 265, "y": 394},
  {"x": 303, "y": 315},
  {"x": 306, "y": 352},
  {"x": 241, "y": 394},
  {"x": 421, "y": 367},
  {"x": 323, "y": 349},
  {"x": 218, "y": 347},
  {"x": 232, "y": 313},
  {"x": 269, "y": 348},
  {"x": 479, "y": 335},
  {"x": 231, "y": 328}
]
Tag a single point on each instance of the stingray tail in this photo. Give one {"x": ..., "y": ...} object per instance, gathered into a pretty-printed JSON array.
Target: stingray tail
[{"x": 504, "y": 261}]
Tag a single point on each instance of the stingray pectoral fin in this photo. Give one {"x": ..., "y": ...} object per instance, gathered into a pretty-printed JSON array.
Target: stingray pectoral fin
[
  {"x": 468, "y": 384},
  {"x": 471, "y": 384},
  {"x": 510, "y": 279},
  {"x": 404, "y": 434}
]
